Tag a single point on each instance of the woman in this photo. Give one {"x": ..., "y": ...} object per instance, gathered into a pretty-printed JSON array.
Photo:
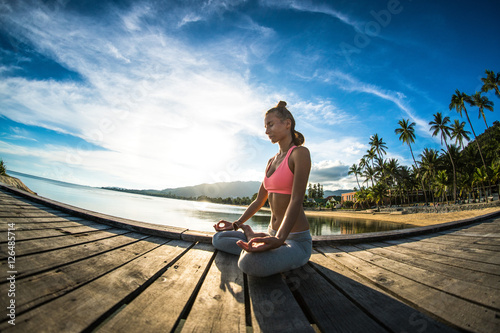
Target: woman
[{"x": 284, "y": 186}]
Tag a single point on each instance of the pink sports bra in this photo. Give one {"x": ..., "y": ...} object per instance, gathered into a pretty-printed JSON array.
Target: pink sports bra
[{"x": 281, "y": 181}]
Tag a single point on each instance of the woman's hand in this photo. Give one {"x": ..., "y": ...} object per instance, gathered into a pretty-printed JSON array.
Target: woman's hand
[
  {"x": 223, "y": 226},
  {"x": 260, "y": 244}
]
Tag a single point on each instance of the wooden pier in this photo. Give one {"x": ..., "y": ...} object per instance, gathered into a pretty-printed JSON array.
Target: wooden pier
[{"x": 79, "y": 271}]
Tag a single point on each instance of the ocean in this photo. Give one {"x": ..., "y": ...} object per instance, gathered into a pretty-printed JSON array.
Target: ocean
[{"x": 193, "y": 215}]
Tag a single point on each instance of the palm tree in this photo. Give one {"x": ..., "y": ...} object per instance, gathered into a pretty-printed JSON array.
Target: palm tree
[
  {"x": 456, "y": 156},
  {"x": 441, "y": 184},
  {"x": 495, "y": 172},
  {"x": 440, "y": 126},
  {"x": 356, "y": 170},
  {"x": 416, "y": 173},
  {"x": 406, "y": 182},
  {"x": 378, "y": 145},
  {"x": 459, "y": 133},
  {"x": 391, "y": 170},
  {"x": 361, "y": 197},
  {"x": 370, "y": 156},
  {"x": 490, "y": 82},
  {"x": 379, "y": 169},
  {"x": 369, "y": 174},
  {"x": 465, "y": 184},
  {"x": 363, "y": 162},
  {"x": 458, "y": 102},
  {"x": 480, "y": 176},
  {"x": 377, "y": 194},
  {"x": 406, "y": 133},
  {"x": 429, "y": 163},
  {"x": 482, "y": 102}
]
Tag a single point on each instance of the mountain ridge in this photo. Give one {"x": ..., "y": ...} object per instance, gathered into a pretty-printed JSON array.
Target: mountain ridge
[
  {"x": 228, "y": 189},
  {"x": 216, "y": 190}
]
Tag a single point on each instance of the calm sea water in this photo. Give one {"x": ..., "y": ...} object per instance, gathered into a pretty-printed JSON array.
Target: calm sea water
[{"x": 180, "y": 213}]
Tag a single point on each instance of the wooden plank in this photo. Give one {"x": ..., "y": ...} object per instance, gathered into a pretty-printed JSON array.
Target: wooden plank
[
  {"x": 390, "y": 252},
  {"x": 492, "y": 234},
  {"x": 48, "y": 233},
  {"x": 482, "y": 256},
  {"x": 48, "y": 260},
  {"x": 81, "y": 308},
  {"x": 7, "y": 199},
  {"x": 162, "y": 303},
  {"x": 274, "y": 309},
  {"x": 220, "y": 303},
  {"x": 473, "y": 239},
  {"x": 13, "y": 208},
  {"x": 444, "y": 259},
  {"x": 19, "y": 220},
  {"x": 466, "y": 245},
  {"x": 42, "y": 245},
  {"x": 480, "y": 294},
  {"x": 393, "y": 314},
  {"x": 5, "y": 202},
  {"x": 491, "y": 224},
  {"x": 481, "y": 229},
  {"x": 469, "y": 243},
  {"x": 449, "y": 308},
  {"x": 44, "y": 287},
  {"x": 33, "y": 214},
  {"x": 41, "y": 225},
  {"x": 329, "y": 308}
]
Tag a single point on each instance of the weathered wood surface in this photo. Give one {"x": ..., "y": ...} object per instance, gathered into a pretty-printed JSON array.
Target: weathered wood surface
[{"x": 77, "y": 275}]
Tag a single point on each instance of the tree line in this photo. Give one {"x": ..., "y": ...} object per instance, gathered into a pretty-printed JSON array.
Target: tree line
[
  {"x": 456, "y": 172},
  {"x": 315, "y": 191}
]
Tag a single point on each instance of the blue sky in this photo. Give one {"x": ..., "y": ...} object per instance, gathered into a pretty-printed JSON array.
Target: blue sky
[{"x": 159, "y": 94}]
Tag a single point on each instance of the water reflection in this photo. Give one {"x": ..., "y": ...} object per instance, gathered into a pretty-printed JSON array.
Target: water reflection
[
  {"x": 344, "y": 226},
  {"x": 319, "y": 226}
]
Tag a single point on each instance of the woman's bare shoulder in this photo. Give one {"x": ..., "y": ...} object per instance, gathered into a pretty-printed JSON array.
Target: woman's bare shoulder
[{"x": 301, "y": 152}]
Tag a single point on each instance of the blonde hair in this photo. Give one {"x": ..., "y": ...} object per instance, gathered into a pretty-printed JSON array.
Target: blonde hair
[{"x": 283, "y": 114}]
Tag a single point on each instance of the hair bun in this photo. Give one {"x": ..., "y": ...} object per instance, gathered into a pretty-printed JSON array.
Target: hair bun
[{"x": 281, "y": 104}]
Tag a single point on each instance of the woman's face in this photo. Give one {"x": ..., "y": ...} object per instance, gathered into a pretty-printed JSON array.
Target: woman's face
[{"x": 276, "y": 129}]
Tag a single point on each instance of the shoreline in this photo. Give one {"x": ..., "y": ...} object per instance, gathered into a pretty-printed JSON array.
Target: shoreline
[{"x": 416, "y": 219}]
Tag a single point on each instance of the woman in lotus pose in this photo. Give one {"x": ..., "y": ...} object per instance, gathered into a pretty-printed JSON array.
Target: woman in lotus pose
[{"x": 288, "y": 243}]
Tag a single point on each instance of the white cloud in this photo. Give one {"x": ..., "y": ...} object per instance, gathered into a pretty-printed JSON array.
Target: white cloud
[
  {"x": 166, "y": 113},
  {"x": 348, "y": 83},
  {"x": 322, "y": 112},
  {"x": 345, "y": 149},
  {"x": 308, "y": 6}
]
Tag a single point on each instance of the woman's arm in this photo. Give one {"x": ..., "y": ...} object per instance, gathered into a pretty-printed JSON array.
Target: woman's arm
[
  {"x": 249, "y": 212},
  {"x": 255, "y": 205},
  {"x": 301, "y": 162}
]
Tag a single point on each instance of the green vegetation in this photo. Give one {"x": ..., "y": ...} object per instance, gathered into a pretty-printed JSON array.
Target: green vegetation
[
  {"x": 2, "y": 168},
  {"x": 456, "y": 173},
  {"x": 229, "y": 201},
  {"x": 315, "y": 192}
]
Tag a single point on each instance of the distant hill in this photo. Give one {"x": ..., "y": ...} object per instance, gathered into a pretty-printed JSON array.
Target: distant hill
[
  {"x": 231, "y": 189},
  {"x": 336, "y": 192},
  {"x": 223, "y": 190}
]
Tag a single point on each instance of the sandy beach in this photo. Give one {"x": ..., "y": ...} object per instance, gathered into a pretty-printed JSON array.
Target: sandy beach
[{"x": 419, "y": 219}]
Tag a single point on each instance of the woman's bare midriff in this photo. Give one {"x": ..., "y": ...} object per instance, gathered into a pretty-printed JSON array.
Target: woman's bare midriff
[{"x": 279, "y": 203}]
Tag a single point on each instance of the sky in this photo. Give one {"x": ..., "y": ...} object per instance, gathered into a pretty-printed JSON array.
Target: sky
[{"x": 163, "y": 94}]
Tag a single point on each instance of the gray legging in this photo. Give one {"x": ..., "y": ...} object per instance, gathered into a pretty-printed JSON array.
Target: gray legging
[{"x": 294, "y": 254}]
